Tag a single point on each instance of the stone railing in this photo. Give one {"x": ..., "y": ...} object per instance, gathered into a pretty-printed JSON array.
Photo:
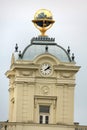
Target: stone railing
[
  {"x": 81, "y": 128},
  {"x": 12, "y": 125}
]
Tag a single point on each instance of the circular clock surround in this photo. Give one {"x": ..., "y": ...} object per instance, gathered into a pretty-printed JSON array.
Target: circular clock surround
[{"x": 46, "y": 69}]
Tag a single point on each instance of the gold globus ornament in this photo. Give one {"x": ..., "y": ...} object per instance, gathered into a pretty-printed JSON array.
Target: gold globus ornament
[{"x": 43, "y": 20}]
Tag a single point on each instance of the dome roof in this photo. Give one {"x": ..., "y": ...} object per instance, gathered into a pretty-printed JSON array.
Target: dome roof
[{"x": 43, "y": 44}]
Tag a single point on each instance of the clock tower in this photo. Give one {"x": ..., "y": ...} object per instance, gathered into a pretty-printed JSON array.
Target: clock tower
[{"x": 42, "y": 81}]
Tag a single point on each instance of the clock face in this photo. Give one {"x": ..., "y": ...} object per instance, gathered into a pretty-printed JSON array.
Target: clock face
[{"x": 46, "y": 69}]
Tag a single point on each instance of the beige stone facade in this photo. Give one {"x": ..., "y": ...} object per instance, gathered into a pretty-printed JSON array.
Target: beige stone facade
[{"x": 29, "y": 89}]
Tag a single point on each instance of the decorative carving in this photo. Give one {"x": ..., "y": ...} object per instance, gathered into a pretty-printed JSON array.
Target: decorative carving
[
  {"x": 45, "y": 90},
  {"x": 26, "y": 73},
  {"x": 66, "y": 75},
  {"x": 13, "y": 100},
  {"x": 11, "y": 89}
]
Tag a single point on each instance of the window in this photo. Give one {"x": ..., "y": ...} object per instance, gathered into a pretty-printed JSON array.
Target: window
[
  {"x": 41, "y": 119},
  {"x": 44, "y": 109},
  {"x": 46, "y": 119},
  {"x": 44, "y": 114}
]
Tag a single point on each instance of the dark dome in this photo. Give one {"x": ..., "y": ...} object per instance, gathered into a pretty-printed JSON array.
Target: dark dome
[{"x": 43, "y": 44}]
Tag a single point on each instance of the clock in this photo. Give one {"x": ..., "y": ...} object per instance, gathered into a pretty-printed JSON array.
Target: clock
[{"x": 46, "y": 69}]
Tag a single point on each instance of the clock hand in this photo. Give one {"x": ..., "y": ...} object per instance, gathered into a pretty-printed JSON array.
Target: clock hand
[{"x": 47, "y": 68}]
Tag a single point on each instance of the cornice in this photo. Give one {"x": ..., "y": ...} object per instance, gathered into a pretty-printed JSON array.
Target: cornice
[
  {"x": 24, "y": 66},
  {"x": 65, "y": 84},
  {"x": 25, "y": 82},
  {"x": 45, "y": 97},
  {"x": 66, "y": 68}
]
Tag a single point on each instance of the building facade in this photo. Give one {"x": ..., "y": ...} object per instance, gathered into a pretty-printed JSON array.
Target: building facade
[{"x": 41, "y": 84}]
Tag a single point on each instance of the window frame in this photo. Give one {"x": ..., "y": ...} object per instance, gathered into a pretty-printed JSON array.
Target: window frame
[{"x": 43, "y": 115}]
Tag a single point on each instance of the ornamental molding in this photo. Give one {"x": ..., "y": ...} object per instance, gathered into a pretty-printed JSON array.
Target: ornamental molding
[
  {"x": 10, "y": 73},
  {"x": 26, "y": 73},
  {"x": 66, "y": 75},
  {"x": 13, "y": 100},
  {"x": 11, "y": 89},
  {"x": 65, "y": 85},
  {"x": 24, "y": 82},
  {"x": 48, "y": 100}
]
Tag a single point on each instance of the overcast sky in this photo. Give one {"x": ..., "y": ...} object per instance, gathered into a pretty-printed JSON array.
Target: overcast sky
[{"x": 70, "y": 29}]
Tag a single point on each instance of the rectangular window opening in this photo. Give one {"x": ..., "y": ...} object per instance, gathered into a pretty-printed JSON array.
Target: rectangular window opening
[{"x": 44, "y": 114}]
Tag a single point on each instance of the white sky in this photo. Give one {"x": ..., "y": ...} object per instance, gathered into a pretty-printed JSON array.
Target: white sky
[{"x": 70, "y": 29}]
